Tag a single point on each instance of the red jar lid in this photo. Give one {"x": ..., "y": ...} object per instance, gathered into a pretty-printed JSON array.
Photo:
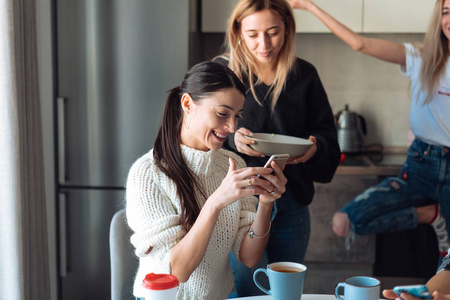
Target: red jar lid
[{"x": 154, "y": 281}]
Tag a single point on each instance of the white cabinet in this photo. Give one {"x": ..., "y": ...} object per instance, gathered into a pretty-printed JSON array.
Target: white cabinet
[
  {"x": 349, "y": 12},
  {"x": 367, "y": 16},
  {"x": 397, "y": 16},
  {"x": 215, "y": 14}
]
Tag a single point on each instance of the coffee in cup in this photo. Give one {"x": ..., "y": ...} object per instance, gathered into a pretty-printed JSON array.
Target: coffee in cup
[
  {"x": 285, "y": 269},
  {"x": 286, "y": 280},
  {"x": 160, "y": 286},
  {"x": 359, "y": 287}
]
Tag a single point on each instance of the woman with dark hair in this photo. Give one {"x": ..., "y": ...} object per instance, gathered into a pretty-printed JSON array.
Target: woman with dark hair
[
  {"x": 284, "y": 96},
  {"x": 190, "y": 202}
]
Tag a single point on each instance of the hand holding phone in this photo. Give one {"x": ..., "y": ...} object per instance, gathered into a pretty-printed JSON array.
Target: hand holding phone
[
  {"x": 280, "y": 159},
  {"x": 419, "y": 291}
]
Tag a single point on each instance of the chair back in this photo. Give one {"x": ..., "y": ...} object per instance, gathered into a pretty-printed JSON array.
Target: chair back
[{"x": 124, "y": 262}]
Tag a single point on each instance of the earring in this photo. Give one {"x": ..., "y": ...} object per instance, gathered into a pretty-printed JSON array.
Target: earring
[
  {"x": 189, "y": 122},
  {"x": 239, "y": 42}
]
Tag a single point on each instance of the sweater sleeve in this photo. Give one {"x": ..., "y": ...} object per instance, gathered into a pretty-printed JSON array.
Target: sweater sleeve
[
  {"x": 247, "y": 212},
  {"x": 152, "y": 212},
  {"x": 321, "y": 124}
]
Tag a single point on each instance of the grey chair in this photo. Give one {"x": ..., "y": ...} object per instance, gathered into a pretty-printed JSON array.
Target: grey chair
[{"x": 124, "y": 262}]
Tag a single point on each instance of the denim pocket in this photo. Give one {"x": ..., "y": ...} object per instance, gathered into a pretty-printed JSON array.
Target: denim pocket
[{"x": 415, "y": 153}]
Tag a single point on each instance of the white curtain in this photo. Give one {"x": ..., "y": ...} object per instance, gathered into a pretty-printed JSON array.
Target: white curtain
[{"x": 24, "y": 268}]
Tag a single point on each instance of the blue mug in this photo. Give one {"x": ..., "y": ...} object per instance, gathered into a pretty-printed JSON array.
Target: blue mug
[
  {"x": 286, "y": 280},
  {"x": 359, "y": 287}
]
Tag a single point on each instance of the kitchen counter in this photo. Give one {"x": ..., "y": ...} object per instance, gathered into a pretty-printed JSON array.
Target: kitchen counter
[{"x": 388, "y": 163}]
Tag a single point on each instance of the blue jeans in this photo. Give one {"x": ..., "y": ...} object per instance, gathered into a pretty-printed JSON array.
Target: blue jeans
[
  {"x": 391, "y": 205},
  {"x": 288, "y": 241}
]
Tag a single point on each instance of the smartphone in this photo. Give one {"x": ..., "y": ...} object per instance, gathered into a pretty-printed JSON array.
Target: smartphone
[
  {"x": 280, "y": 159},
  {"x": 419, "y": 291}
]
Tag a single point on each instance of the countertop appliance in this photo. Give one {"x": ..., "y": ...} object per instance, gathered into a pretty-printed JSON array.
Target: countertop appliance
[
  {"x": 351, "y": 128},
  {"x": 116, "y": 60}
]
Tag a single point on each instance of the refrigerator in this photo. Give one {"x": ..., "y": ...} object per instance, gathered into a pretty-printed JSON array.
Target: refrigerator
[{"x": 115, "y": 61}]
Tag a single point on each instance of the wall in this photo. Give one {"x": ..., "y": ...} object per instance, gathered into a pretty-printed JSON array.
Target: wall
[{"x": 373, "y": 88}]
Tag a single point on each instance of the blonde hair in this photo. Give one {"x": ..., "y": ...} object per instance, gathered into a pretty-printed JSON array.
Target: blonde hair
[
  {"x": 434, "y": 53},
  {"x": 241, "y": 60}
]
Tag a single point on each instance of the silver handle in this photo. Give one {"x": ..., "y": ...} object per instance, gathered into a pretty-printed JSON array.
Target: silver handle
[
  {"x": 62, "y": 236},
  {"x": 61, "y": 140}
]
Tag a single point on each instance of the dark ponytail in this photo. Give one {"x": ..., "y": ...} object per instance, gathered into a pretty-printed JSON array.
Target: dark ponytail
[{"x": 200, "y": 81}]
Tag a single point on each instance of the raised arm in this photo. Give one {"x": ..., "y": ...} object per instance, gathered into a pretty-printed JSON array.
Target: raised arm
[{"x": 381, "y": 49}]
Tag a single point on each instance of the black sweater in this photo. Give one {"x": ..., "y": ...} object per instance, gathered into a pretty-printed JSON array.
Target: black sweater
[{"x": 301, "y": 110}]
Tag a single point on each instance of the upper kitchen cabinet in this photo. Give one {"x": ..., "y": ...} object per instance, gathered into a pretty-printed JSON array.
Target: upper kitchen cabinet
[
  {"x": 397, "y": 16},
  {"x": 367, "y": 16},
  {"x": 349, "y": 12},
  {"x": 215, "y": 14}
]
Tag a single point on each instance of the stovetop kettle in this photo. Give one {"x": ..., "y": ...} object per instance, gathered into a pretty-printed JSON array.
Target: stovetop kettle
[{"x": 351, "y": 127}]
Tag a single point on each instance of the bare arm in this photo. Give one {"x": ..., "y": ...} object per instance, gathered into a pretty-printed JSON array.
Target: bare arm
[
  {"x": 381, "y": 49},
  {"x": 389, "y": 294},
  {"x": 438, "y": 285},
  {"x": 440, "y": 282},
  {"x": 252, "y": 249}
]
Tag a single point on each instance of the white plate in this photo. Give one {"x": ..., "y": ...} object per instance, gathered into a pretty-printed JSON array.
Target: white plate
[{"x": 270, "y": 143}]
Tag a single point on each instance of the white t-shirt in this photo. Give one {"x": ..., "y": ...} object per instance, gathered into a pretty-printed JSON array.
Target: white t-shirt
[
  {"x": 153, "y": 212},
  {"x": 430, "y": 122}
]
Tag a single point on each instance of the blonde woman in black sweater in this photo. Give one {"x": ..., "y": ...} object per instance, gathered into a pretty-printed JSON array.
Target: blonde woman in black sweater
[{"x": 284, "y": 96}]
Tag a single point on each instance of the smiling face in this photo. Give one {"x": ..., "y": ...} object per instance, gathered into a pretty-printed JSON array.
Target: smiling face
[
  {"x": 264, "y": 35},
  {"x": 208, "y": 122},
  {"x": 445, "y": 20}
]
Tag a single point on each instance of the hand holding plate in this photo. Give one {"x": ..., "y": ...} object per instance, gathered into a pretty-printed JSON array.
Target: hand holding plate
[
  {"x": 305, "y": 156},
  {"x": 243, "y": 143}
]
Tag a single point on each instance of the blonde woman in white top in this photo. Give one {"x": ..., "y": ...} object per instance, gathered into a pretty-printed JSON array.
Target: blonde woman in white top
[
  {"x": 189, "y": 202},
  {"x": 400, "y": 203}
]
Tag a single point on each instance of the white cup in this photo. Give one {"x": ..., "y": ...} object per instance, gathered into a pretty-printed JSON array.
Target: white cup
[{"x": 160, "y": 286}]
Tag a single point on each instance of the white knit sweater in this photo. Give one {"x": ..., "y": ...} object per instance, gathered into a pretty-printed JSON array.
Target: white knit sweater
[{"x": 153, "y": 212}]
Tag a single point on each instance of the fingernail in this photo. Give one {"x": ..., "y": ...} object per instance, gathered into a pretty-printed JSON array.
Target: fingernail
[{"x": 250, "y": 134}]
